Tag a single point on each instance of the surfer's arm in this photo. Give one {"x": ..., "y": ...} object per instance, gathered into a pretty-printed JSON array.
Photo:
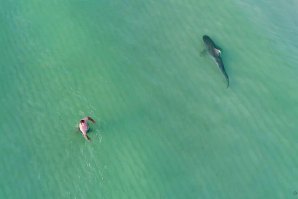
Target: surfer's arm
[{"x": 92, "y": 120}]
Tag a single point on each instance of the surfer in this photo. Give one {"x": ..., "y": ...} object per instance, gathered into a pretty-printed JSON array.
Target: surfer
[{"x": 83, "y": 126}]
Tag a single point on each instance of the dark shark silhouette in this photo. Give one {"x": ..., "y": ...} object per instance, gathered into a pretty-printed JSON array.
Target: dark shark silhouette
[{"x": 215, "y": 52}]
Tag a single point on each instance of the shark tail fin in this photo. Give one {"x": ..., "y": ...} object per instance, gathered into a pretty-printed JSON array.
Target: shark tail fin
[{"x": 228, "y": 81}]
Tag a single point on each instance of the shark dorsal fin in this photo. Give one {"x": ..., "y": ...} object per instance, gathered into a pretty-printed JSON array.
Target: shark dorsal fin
[{"x": 217, "y": 51}]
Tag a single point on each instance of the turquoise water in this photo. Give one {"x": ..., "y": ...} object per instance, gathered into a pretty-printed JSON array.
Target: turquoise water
[{"x": 167, "y": 127}]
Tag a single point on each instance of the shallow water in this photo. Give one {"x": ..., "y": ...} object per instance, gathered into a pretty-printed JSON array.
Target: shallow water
[{"x": 167, "y": 127}]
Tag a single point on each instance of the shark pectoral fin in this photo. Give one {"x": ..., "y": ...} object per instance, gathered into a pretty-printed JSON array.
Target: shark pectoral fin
[{"x": 204, "y": 52}]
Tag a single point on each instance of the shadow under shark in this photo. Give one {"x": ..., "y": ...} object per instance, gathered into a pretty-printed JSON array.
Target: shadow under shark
[{"x": 215, "y": 52}]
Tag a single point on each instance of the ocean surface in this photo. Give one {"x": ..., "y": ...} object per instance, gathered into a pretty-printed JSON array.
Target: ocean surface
[{"x": 166, "y": 125}]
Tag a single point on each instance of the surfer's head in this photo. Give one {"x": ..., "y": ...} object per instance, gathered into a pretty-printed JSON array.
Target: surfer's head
[{"x": 82, "y": 121}]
